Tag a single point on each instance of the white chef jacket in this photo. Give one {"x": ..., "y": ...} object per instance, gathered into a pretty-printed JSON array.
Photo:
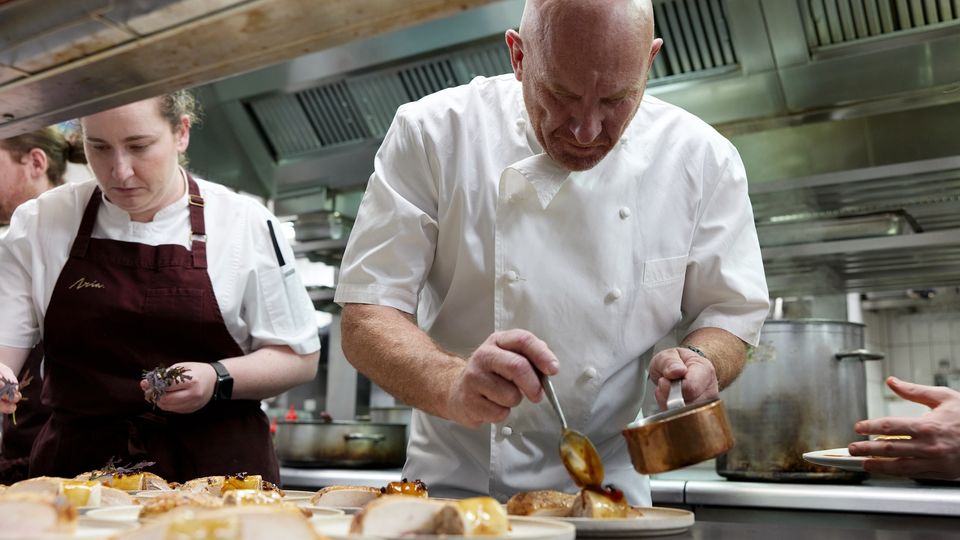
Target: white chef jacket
[
  {"x": 261, "y": 303},
  {"x": 469, "y": 225}
]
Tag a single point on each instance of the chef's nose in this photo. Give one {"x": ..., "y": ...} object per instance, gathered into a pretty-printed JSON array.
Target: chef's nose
[
  {"x": 121, "y": 168},
  {"x": 586, "y": 126}
]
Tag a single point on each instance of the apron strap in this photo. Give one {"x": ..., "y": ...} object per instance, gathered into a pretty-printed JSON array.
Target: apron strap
[
  {"x": 198, "y": 232},
  {"x": 82, "y": 241}
]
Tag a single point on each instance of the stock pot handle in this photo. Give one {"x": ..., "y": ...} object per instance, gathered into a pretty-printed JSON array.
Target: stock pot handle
[
  {"x": 375, "y": 437},
  {"x": 862, "y": 354}
]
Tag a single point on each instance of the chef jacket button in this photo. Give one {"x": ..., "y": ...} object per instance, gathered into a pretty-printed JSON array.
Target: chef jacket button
[
  {"x": 624, "y": 213},
  {"x": 615, "y": 293},
  {"x": 512, "y": 275},
  {"x": 506, "y": 431},
  {"x": 590, "y": 372}
]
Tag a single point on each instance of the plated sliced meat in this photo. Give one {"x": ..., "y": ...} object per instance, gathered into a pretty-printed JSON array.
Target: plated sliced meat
[
  {"x": 31, "y": 515},
  {"x": 218, "y": 485},
  {"x": 541, "y": 503},
  {"x": 76, "y": 492},
  {"x": 158, "y": 506},
  {"x": 345, "y": 496},
  {"x": 606, "y": 505},
  {"x": 168, "y": 502},
  {"x": 394, "y": 516}
]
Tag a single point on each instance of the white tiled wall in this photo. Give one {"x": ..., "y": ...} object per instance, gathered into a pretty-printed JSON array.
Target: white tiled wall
[{"x": 914, "y": 345}]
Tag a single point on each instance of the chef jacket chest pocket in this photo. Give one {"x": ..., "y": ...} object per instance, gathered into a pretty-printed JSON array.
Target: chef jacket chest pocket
[
  {"x": 177, "y": 308},
  {"x": 663, "y": 278}
]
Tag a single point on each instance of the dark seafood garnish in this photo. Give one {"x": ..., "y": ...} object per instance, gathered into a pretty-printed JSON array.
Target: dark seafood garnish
[{"x": 160, "y": 379}]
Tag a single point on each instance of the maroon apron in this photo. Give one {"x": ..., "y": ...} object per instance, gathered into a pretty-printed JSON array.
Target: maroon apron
[
  {"x": 120, "y": 308},
  {"x": 32, "y": 414}
]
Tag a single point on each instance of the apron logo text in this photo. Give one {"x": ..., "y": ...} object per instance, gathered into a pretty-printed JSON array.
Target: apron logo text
[{"x": 82, "y": 283}]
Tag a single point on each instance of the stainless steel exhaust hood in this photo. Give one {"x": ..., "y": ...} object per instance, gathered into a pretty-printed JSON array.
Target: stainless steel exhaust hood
[
  {"x": 745, "y": 66},
  {"x": 60, "y": 59},
  {"x": 838, "y": 107}
]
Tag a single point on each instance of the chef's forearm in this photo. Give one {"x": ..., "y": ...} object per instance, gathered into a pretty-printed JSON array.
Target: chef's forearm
[
  {"x": 13, "y": 358},
  {"x": 387, "y": 346},
  {"x": 726, "y": 351},
  {"x": 270, "y": 371}
]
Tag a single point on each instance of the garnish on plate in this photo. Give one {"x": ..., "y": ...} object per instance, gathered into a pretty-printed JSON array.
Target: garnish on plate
[{"x": 114, "y": 468}]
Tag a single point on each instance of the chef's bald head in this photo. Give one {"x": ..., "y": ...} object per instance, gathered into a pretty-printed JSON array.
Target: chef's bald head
[
  {"x": 583, "y": 66},
  {"x": 629, "y": 22}
]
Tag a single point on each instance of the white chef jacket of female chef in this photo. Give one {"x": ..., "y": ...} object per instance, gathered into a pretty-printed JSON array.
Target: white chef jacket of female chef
[
  {"x": 468, "y": 225},
  {"x": 261, "y": 303}
]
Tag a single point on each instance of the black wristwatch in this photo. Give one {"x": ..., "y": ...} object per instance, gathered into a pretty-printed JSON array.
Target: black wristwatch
[{"x": 223, "y": 390}]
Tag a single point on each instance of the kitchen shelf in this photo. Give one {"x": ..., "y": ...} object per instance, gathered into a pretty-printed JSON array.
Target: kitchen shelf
[{"x": 927, "y": 254}]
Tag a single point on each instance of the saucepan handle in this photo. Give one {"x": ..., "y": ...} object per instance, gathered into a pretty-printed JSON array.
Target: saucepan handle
[
  {"x": 862, "y": 354},
  {"x": 675, "y": 397}
]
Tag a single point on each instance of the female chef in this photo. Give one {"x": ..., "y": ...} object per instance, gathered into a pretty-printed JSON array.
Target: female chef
[{"x": 146, "y": 267}]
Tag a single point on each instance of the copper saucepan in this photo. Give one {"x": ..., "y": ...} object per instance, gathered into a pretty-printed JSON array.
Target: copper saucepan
[{"x": 680, "y": 436}]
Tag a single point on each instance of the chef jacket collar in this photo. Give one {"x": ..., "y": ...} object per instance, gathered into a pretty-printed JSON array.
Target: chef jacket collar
[
  {"x": 544, "y": 174},
  {"x": 120, "y": 216}
]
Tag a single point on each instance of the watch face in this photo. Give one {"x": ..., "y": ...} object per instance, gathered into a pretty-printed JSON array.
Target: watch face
[{"x": 225, "y": 387}]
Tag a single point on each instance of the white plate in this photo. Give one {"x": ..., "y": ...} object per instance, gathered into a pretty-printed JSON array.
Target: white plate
[
  {"x": 131, "y": 513},
  {"x": 118, "y": 514},
  {"x": 655, "y": 521},
  {"x": 86, "y": 531},
  {"x": 150, "y": 493},
  {"x": 340, "y": 509},
  {"x": 294, "y": 495},
  {"x": 527, "y": 528},
  {"x": 838, "y": 457},
  {"x": 323, "y": 511}
]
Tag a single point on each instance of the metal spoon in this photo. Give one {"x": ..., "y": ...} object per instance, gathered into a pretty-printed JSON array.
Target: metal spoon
[{"x": 577, "y": 453}]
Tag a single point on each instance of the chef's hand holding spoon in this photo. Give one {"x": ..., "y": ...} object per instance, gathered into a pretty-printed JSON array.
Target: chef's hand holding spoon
[
  {"x": 698, "y": 374},
  {"x": 497, "y": 376}
]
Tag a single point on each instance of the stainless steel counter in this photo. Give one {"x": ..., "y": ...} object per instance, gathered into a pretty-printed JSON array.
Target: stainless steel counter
[
  {"x": 317, "y": 478},
  {"x": 707, "y": 489},
  {"x": 711, "y": 530},
  {"x": 876, "y": 495},
  {"x": 902, "y": 497}
]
